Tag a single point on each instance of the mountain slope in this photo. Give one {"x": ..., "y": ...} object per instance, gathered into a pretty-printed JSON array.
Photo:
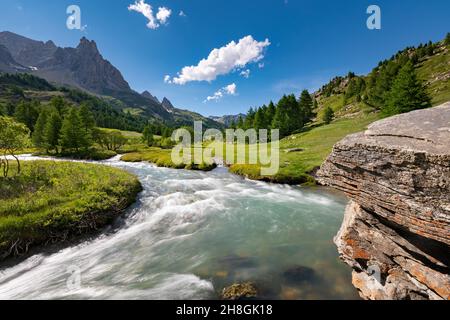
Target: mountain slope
[
  {"x": 7, "y": 62},
  {"x": 85, "y": 68},
  {"x": 347, "y": 100}
]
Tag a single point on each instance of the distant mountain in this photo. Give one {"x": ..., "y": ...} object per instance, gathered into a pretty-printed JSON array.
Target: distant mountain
[
  {"x": 85, "y": 68},
  {"x": 226, "y": 120},
  {"x": 82, "y": 67},
  {"x": 7, "y": 62},
  {"x": 148, "y": 95},
  {"x": 167, "y": 105}
]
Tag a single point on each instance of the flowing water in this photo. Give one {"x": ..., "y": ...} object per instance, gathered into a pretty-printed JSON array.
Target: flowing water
[{"x": 192, "y": 233}]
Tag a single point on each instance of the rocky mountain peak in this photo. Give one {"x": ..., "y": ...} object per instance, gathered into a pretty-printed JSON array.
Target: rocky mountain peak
[
  {"x": 148, "y": 95},
  {"x": 167, "y": 104},
  {"x": 88, "y": 46}
]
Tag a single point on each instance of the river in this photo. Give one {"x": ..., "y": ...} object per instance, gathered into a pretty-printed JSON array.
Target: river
[{"x": 192, "y": 233}]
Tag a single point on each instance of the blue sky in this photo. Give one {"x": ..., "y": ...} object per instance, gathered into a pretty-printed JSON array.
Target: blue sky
[{"x": 311, "y": 41}]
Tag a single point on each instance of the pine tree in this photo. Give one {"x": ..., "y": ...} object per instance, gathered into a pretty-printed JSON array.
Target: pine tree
[
  {"x": 447, "y": 39},
  {"x": 249, "y": 119},
  {"x": 240, "y": 123},
  {"x": 407, "y": 93},
  {"x": 270, "y": 113},
  {"x": 26, "y": 113},
  {"x": 87, "y": 118},
  {"x": 306, "y": 105},
  {"x": 52, "y": 131},
  {"x": 72, "y": 133},
  {"x": 328, "y": 115},
  {"x": 59, "y": 104},
  {"x": 38, "y": 134},
  {"x": 147, "y": 136},
  {"x": 280, "y": 121},
  {"x": 258, "y": 123}
]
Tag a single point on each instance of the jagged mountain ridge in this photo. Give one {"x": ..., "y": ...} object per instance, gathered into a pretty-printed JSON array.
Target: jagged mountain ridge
[{"x": 84, "y": 68}]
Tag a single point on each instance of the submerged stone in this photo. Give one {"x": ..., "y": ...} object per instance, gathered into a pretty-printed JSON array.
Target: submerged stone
[{"x": 239, "y": 291}]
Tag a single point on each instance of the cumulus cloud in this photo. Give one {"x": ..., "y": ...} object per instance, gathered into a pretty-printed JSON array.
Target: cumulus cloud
[
  {"x": 182, "y": 14},
  {"x": 163, "y": 14},
  {"x": 224, "y": 60},
  {"x": 227, "y": 90},
  {"x": 230, "y": 89},
  {"x": 146, "y": 10},
  {"x": 245, "y": 73},
  {"x": 167, "y": 79}
]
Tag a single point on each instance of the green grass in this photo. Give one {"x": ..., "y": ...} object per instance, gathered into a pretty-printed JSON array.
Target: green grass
[
  {"x": 126, "y": 134},
  {"x": 315, "y": 144},
  {"x": 436, "y": 72},
  {"x": 54, "y": 201},
  {"x": 163, "y": 158}
]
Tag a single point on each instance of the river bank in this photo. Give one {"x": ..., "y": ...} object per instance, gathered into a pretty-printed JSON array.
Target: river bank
[
  {"x": 192, "y": 233},
  {"x": 57, "y": 201}
]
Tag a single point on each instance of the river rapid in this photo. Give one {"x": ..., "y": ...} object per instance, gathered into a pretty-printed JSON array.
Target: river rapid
[{"x": 192, "y": 233}]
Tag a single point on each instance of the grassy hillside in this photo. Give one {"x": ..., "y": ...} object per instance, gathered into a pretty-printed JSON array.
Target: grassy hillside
[
  {"x": 303, "y": 152},
  {"x": 435, "y": 72},
  {"x": 54, "y": 201},
  {"x": 353, "y": 109}
]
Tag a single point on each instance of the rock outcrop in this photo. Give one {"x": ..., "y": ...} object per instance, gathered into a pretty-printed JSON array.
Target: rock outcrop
[{"x": 396, "y": 230}]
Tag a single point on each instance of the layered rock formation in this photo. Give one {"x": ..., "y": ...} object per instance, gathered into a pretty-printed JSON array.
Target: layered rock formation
[{"x": 396, "y": 231}]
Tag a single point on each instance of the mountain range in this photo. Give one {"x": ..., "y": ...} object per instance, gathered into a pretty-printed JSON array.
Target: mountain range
[
  {"x": 227, "y": 120},
  {"x": 86, "y": 69}
]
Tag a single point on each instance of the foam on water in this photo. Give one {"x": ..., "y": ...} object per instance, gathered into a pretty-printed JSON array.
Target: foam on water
[{"x": 171, "y": 244}]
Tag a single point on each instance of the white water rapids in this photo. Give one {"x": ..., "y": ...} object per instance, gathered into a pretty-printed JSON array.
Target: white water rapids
[{"x": 192, "y": 233}]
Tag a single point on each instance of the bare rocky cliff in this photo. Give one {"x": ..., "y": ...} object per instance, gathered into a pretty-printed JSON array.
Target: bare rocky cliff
[{"x": 396, "y": 230}]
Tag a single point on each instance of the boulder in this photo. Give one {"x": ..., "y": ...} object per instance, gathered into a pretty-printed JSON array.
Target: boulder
[{"x": 396, "y": 230}]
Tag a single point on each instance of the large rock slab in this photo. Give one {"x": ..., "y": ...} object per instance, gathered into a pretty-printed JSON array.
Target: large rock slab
[{"x": 397, "y": 173}]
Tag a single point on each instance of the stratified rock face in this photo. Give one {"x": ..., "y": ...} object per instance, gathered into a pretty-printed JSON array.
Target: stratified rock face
[{"x": 397, "y": 174}]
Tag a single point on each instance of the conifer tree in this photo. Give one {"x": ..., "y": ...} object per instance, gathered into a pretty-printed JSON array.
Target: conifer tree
[
  {"x": 38, "y": 137},
  {"x": 240, "y": 123},
  {"x": 407, "y": 93},
  {"x": 52, "y": 131},
  {"x": 258, "y": 123},
  {"x": 249, "y": 119},
  {"x": 72, "y": 133},
  {"x": 87, "y": 118},
  {"x": 270, "y": 113},
  {"x": 306, "y": 105},
  {"x": 147, "y": 136},
  {"x": 280, "y": 121},
  {"x": 58, "y": 104},
  {"x": 328, "y": 115},
  {"x": 447, "y": 39},
  {"x": 27, "y": 113}
]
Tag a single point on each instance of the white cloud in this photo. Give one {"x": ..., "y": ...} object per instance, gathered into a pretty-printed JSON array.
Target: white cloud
[
  {"x": 245, "y": 73},
  {"x": 261, "y": 65},
  {"x": 182, "y": 14},
  {"x": 227, "y": 90},
  {"x": 167, "y": 79},
  {"x": 216, "y": 96},
  {"x": 163, "y": 14},
  {"x": 231, "y": 89},
  {"x": 224, "y": 60},
  {"x": 153, "y": 22}
]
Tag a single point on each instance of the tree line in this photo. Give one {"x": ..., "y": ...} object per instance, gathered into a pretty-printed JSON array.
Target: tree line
[
  {"x": 392, "y": 87},
  {"x": 289, "y": 115}
]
